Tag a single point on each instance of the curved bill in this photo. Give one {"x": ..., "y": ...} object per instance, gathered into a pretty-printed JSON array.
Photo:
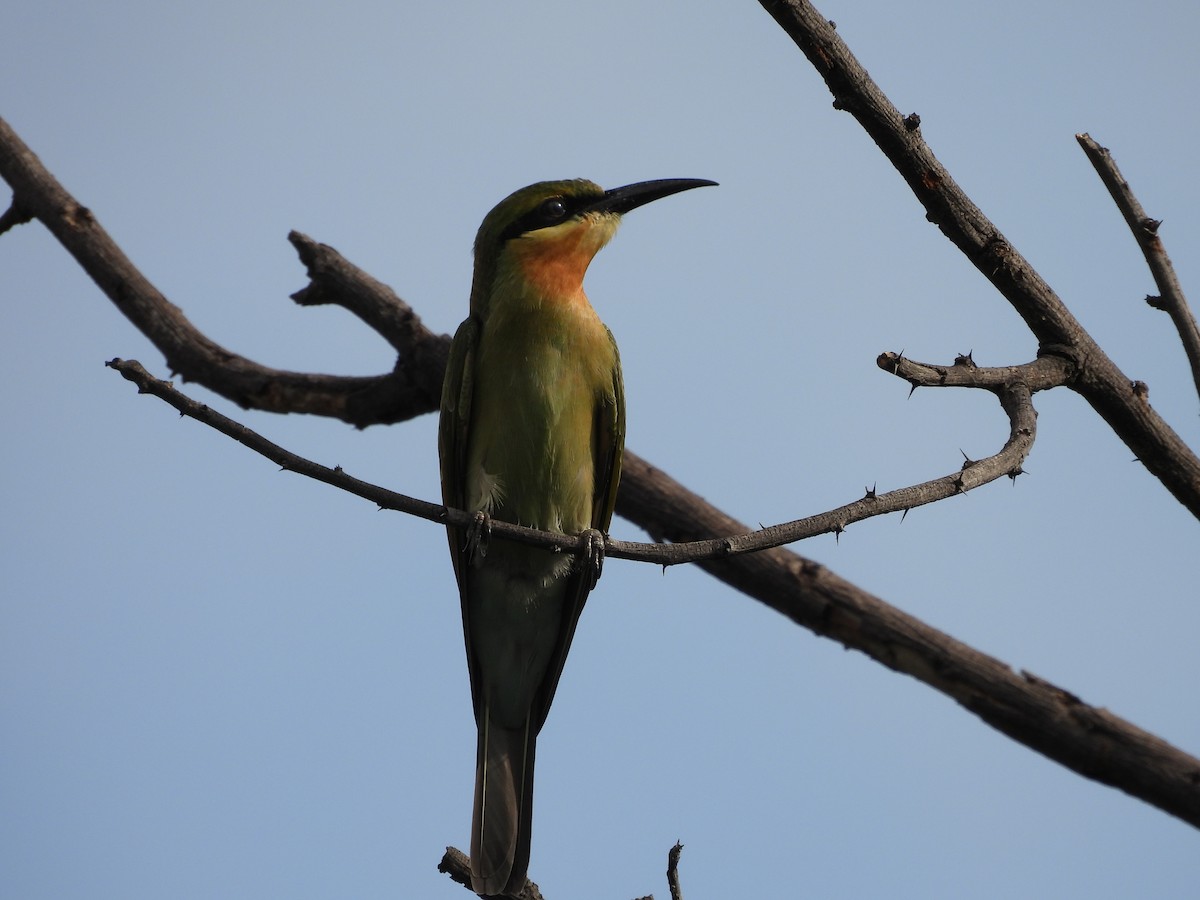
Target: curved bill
[{"x": 621, "y": 200}]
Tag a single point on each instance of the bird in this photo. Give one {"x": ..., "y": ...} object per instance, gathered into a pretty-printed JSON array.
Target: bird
[{"x": 531, "y": 431}]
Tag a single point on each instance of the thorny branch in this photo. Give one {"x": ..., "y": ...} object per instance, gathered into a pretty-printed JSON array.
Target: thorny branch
[
  {"x": 1012, "y": 384},
  {"x": 1145, "y": 231},
  {"x": 1052, "y": 721}
]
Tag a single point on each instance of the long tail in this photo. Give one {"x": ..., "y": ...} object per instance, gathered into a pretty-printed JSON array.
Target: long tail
[{"x": 501, "y": 824}]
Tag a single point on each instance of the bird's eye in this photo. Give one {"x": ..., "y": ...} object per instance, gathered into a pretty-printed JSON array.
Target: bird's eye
[
  {"x": 550, "y": 212},
  {"x": 554, "y": 209}
]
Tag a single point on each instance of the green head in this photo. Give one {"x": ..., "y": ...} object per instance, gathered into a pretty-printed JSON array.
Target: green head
[{"x": 546, "y": 234}]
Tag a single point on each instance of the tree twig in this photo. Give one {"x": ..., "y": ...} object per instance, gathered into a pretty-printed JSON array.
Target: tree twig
[
  {"x": 1013, "y": 390},
  {"x": 13, "y": 216},
  {"x": 673, "y": 871},
  {"x": 1145, "y": 231},
  {"x": 420, "y": 354}
]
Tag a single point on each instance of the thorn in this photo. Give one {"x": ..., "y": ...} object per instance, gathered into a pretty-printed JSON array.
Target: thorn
[
  {"x": 837, "y": 533},
  {"x": 967, "y": 361},
  {"x": 1155, "y": 302},
  {"x": 1012, "y": 476},
  {"x": 1150, "y": 225},
  {"x": 871, "y": 492},
  {"x": 912, "y": 390},
  {"x": 904, "y": 515},
  {"x": 912, "y": 121},
  {"x": 967, "y": 461},
  {"x": 338, "y": 469}
]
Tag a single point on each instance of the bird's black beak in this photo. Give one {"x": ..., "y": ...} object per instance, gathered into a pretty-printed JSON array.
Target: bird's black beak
[{"x": 621, "y": 200}]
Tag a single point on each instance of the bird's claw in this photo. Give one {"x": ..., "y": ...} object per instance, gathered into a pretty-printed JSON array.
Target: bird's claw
[
  {"x": 479, "y": 532},
  {"x": 591, "y": 555}
]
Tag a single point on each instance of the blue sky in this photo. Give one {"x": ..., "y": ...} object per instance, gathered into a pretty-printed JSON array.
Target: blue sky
[{"x": 219, "y": 680}]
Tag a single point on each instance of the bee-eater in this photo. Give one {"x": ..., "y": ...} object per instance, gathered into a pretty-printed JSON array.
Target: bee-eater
[{"x": 532, "y": 431}]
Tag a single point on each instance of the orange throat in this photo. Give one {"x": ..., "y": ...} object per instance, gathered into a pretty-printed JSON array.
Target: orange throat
[{"x": 554, "y": 266}]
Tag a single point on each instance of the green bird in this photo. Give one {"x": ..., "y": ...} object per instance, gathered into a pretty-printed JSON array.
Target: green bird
[{"x": 532, "y": 430}]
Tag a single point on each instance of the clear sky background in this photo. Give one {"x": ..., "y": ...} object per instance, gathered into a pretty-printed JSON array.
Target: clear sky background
[{"x": 221, "y": 681}]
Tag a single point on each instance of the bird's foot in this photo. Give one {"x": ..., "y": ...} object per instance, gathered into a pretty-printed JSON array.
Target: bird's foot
[
  {"x": 479, "y": 532},
  {"x": 591, "y": 555}
]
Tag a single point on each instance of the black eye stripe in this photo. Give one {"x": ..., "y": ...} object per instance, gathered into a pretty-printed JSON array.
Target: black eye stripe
[{"x": 549, "y": 212}]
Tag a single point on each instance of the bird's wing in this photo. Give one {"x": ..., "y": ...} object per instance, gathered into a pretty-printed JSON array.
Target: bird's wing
[
  {"x": 608, "y": 447},
  {"x": 453, "y": 426}
]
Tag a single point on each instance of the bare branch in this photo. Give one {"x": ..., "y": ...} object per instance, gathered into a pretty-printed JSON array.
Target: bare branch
[
  {"x": 1014, "y": 396},
  {"x": 1145, "y": 231},
  {"x": 673, "y": 871},
  {"x": 13, "y": 216},
  {"x": 191, "y": 354},
  {"x": 457, "y": 865},
  {"x": 1011, "y": 384},
  {"x": 1105, "y": 387},
  {"x": 421, "y": 354},
  {"x": 1042, "y": 374}
]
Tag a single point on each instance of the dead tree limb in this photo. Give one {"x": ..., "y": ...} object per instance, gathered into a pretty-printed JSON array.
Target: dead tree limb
[
  {"x": 1170, "y": 296},
  {"x": 189, "y": 352}
]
